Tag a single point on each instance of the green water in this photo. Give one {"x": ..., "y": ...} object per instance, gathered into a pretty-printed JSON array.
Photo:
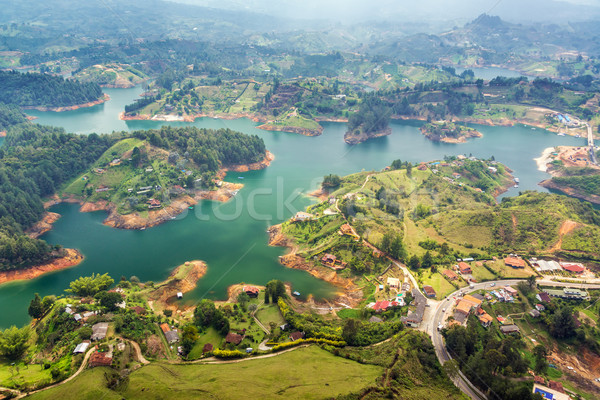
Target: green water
[{"x": 232, "y": 237}]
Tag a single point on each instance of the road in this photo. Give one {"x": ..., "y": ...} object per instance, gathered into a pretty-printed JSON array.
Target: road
[{"x": 591, "y": 143}]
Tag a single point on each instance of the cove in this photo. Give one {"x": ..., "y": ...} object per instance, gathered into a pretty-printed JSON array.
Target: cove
[{"x": 231, "y": 237}]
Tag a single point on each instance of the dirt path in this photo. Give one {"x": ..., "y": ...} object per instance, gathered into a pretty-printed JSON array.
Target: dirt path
[
  {"x": 138, "y": 353},
  {"x": 565, "y": 228}
]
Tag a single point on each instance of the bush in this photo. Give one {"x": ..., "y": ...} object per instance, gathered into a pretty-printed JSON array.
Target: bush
[{"x": 228, "y": 354}]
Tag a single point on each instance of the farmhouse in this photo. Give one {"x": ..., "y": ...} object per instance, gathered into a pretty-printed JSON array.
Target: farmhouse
[
  {"x": 429, "y": 291},
  {"x": 464, "y": 268},
  {"x": 509, "y": 329},
  {"x": 99, "y": 331},
  {"x": 394, "y": 283},
  {"x": 331, "y": 261},
  {"x": 172, "y": 336},
  {"x": 450, "y": 275},
  {"x": 515, "y": 262},
  {"x": 575, "y": 268},
  {"x": 296, "y": 336},
  {"x": 82, "y": 347},
  {"x": 251, "y": 291},
  {"x": 100, "y": 360}
]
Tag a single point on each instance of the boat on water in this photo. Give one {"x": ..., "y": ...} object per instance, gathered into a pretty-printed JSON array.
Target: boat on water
[
  {"x": 516, "y": 185},
  {"x": 191, "y": 207},
  {"x": 296, "y": 293},
  {"x": 517, "y": 181},
  {"x": 143, "y": 228},
  {"x": 240, "y": 177},
  {"x": 561, "y": 134}
]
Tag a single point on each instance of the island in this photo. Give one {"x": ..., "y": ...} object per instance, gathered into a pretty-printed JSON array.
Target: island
[{"x": 448, "y": 132}]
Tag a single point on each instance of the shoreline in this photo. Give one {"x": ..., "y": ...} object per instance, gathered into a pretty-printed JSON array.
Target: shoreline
[
  {"x": 468, "y": 134},
  {"x": 184, "y": 278},
  {"x": 103, "y": 99},
  {"x": 291, "y": 129},
  {"x": 70, "y": 259},
  {"x": 349, "y": 294},
  {"x": 363, "y": 137}
]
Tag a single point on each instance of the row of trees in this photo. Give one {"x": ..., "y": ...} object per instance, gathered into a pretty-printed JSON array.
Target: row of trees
[{"x": 33, "y": 89}]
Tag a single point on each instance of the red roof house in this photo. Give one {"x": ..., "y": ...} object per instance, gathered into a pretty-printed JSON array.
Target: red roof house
[
  {"x": 464, "y": 268},
  {"x": 100, "y": 360},
  {"x": 233, "y": 338},
  {"x": 575, "y": 268}
]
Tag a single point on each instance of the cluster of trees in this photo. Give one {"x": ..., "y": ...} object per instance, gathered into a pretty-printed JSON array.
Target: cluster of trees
[
  {"x": 10, "y": 115},
  {"x": 206, "y": 315},
  {"x": 34, "y": 161},
  {"x": 275, "y": 290},
  {"x": 208, "y": 148},
  {"x": 13, "y": 342},
  {"x": 331, "y": 181},
  {"x": 32, "y": 89},
  {"x": 373, "y": 115},
  {"x": 141, "y": 103},
  {"x": 392, "y": 244},
  {"x": 488, "y": 361},
  {"x": 90, "y": 285},
  {"x": 38, "y": 307}
]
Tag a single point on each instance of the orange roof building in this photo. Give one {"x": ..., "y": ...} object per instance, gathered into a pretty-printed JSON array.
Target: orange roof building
[
  {"x": 464, "y": 268},
  {"x": 515, "y": 262},
  {"x": 451, "y": 275},
  {"x": 165, "y": 327}
]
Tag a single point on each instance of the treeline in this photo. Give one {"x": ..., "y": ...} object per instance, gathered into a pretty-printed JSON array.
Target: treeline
[
  {"x": 373, "y": 116},
  {"x": 34, "y": 161},
  {"x": 209, "y": 149},
  {"x": 33, "y": 89},
  {"x": 10, "y": 115},
  {"x": 141, "y": 103}
]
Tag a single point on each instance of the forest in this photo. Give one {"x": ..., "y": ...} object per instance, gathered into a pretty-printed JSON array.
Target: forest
[{"x": 42, "y": 90}]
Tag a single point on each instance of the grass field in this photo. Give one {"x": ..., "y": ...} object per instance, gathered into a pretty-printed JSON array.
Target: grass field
[
  {"x": 507, "y": 272},
  {"x": 307, "y": 373},
  {"x": 482, "y": 274},
  {"x": 209, "y": 336},
  {"x": 91, "y": 384},
  {"x": 269, "y": 313},
  {"x": 22, "y": 374},
  {"x": 441, "y": 286}
]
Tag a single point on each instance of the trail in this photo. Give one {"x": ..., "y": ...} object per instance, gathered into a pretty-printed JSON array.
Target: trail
[{"x": 566, "y": 227}]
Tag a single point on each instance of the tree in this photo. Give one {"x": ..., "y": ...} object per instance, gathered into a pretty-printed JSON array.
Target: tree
[
  {"x": 109, "y": 300},
  {"x": 351, "y": 328},
  {"x": 36, "y": 309},
  {"x": 90, "y": 285},
  {"x": 531, "y": 281},
  {"x": 414, "y": 262},
  {"x": 427, "y": 260},
  {"x": 48, "y": 302},
  {"x": 539, "y": 354},
  {"x": 189, "y": 338},
  {"x": 562, "y": 325},
  {"x": 331, "y": 181},
  {"x": 243, "y": 298},
  {"x": 13, "y": 342},
  {"x": 277, "y": 289}
]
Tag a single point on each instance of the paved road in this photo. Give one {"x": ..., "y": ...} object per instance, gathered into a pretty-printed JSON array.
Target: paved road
[{"x": 591, "y": 143}]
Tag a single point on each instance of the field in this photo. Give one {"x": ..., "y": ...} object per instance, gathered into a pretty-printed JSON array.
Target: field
[
  {"x": 507, "y": 272},
  {"x": 306, "y": 373},
  {"x": 269, "y": 313},
  {"x": 22, "y": 374},
  {"x": 209, "y": 336},
  {"x": 481, "y": 274},
  {"x": 441, "y": 286},
  {"x": 91, "y": 384}
]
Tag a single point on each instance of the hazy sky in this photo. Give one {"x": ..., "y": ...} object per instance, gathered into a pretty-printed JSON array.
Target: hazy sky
[{"x": 362, "y": 10}]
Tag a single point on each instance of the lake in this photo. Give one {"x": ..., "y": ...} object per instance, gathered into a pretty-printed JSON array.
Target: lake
[{"x": 231, "y": 237}]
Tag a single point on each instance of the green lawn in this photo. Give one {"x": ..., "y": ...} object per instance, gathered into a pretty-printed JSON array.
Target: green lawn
[
  {"x": 307, "y": 373},
  {"x": 22, "y": 374},
  {"x": 209, "y": 336},
  {"x": 269, "y": 313},
  {"x": 504, "y": 271},
  {"x": 441, "y": 286},
  {"x": 482, "y": 274},
  {"x": 90, "y": 384}
]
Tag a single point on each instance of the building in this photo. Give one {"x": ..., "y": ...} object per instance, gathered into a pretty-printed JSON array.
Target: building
[
  {"x": 509, "y": 329},
  {"x": 429, "y": 291},
  {"x": 346, "y": 229},
  {"x": 233, "y": 338},
  {"x": 138, "y": 310},
  {"x": 485, "y": 318},
  {"x": 575, "y": 268},
  {"x": 393, "y": 283},
  {"x": 543, "y": 297},
  {"x": 251, "y": 291},
  {"x": 548, "y": 393},
  {"x": 515, "y": 262},
  {"x": 464, "y": 268},
  {"x": 415, "y": 318},
  {"x": 100, "y": 360},
  {"x": 450, "y": 275},
  {"x": 99, "y": 331},
  {"x": 331, "y": 261},
  {"x": 512, "y": 291},
  {"x": 165, "y": 327},
  {"x": 375, "y": 319},
  {"x": 153, "y": 203},
  {"x": 82, "y": 347},
  {"x": 296, "y": 336},
  {"x": 172, "y": 336},
  {"x": 207, "y": 348},
  {"x": 302, "y": 216},
  {"x": 540, "y": 307},
  {"x": 545, "y": 266},
  {"x": 568, "y": 293},
  {"x": 534, "y": 313}
]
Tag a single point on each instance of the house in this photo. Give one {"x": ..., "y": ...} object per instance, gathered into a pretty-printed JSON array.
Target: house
[
  {"x": 515, "y": 262},
  {"x": 302, "y": 216},
  {"x": 568, "y": 293},
  {"x": 575, "y": 268},
  {"x": 381, "y": 305},
  {"x": 77, "y": 317},
  {"x": 393, "y": 283},
  {"x": 416, "y": 317},
  {"x": 296, "y": 336},
  {"x": 405, "y": 287},
  {"x": 473, "y": 300},
  {"x": 450, "y": 275},
  {"x": 463, "y": 307},
  {"x": 172, "y": 336},
  {"x": 100, "y": 360},
  {"x": 540, "y": 307},
  {"x": 478, "y": 297},
  {"x": 207, "y": 348},
  {"x": 153, "y": 203},
  {"x": 180, "y": 295},
  {"x": 509, "y": 329},
  {"x": 512, "y": 291},
  {"x": 68, "y": 310},
  {"x": 251, "y": 291},
  {"x": 485, "y": 319},
  {"x": 331, "y": 261},
  {"x": 556, "y": 386},
  {"x": 346, "y": 229},
  {"x": 233, "y": 338},
  {"x": 534, "y": 313},
  {"x": 375, "y": 319},
  {"x": 464, "y": 268},
  {"x": 539, "y": 380},
  {"x": 99, "y": 331},
  {"x": 429, "y": 291},
  {"x": 543, "y": 297},
  {"x": 82, "y": 347},
  {"x": 165, "y": 327}
]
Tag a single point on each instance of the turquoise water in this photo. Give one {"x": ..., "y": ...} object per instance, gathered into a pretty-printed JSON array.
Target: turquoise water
[{"x": 231, "y": 237}]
